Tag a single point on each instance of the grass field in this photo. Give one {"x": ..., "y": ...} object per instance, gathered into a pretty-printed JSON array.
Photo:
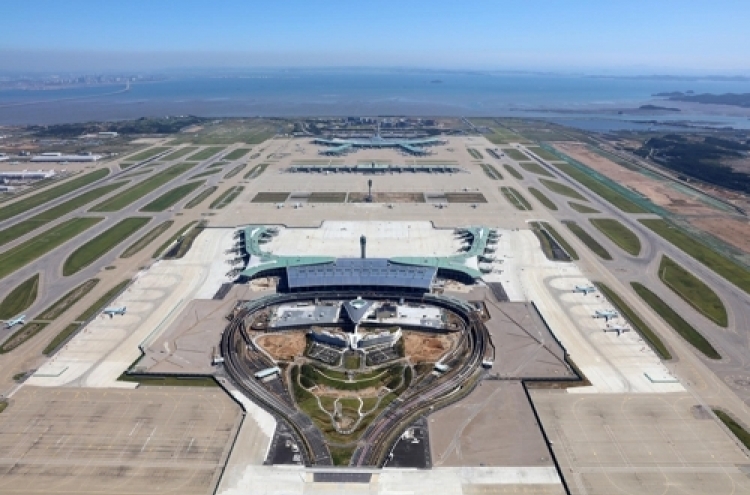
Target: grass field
[
  {"x": 635, "y": 320},
  {"x": 728, "y": 269},
  {"x": 327, "y": 197},
  {"x": 205, "y": 153},
  {"x": 237, "y": 154},
  {"x": 589, "y": 241},
  {"x": 737, "y": 430},
  {"x": 256, "y": 171},
  {"x": 169, "y": 381},
  {"x": 226, "y": 197},
  {"x": 693, "y": 291},
  {"x": 542, "y": 153},
  {"x": 61, "y": 305},
  {"x": 50, "y": 194},
  {"x": 682, "y": 327},
  {"x": 606, "y": 192},
  {"x": 101, "y": 244},
  {"x": 512, "y": 171},
  {"x": 174, "y": 237},
  {"x": 22, "y": 228},
  {"x": 558, "y": 188},
  {"x": 550, "y": 240},
  {"x": 132, "y": 194},
  {"x": 20, "y": 298},
  {"x": 491, "y": 171},
  {"x": 184, "y": 242},
  {"x": 171, "y": 197},
  {"x": 179, "y": 153},
  {"x": 102, "y": 301},
  {"x": 475, "y": 154},
  {"x": 61, "y": 337},
  {"x": 542, "y": 198},
  {"x": 140, "y": 171},
  {"x": 147, "y": 239},
  {"x": 236, "y": 170},
  {"x": 560, "y": 240},
  {"x": 26, "y": 252},
  {"x": 146, "y": 154},
  {"x": 208, "y": 172},
  {"x": 535, "y": 168},
  {"x": 515, "y": 198},
  {"x": 270, "y": 197},
  {"x": 619, "y": 234},
  {"x": 21, "y": 335},
  {"x": 200, "y": 197},
  {"x": 582, "y": 208},
  {"x": 515, "y": 154}
]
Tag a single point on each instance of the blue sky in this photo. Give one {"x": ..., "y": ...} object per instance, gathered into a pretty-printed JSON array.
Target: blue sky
[{"x": 577, "y": 35}]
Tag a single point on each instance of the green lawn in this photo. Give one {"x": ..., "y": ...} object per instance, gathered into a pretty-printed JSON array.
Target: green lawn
[
  {"x": 619, "y": 234},
  {"x": 682, "y": 327},
  {"x": 558, "y": 188},
  {"x": 132, "y": 194},
  {"x": 40, "y": 198},
  {"x": 22, "y": 228},
  {"x": 728, "y": 269},
  {"x": 101, "y": 244},
  {"x": 693, "y": 291},
  {"x": 26, "y": 252},
  {"x": 147, "y": 239},
  {"x": 474, "y": 153},
  {"x": 205, "y": 153},
  {"x": 236, "y": 170},
  {"x": 535, "y": 168},
  {"x": 542, "y": 153},
  {"x": 174, "y": 237},
  {"x": 512, "y": 171},
  {"x": 542, "y": 198},
  {"x": 179, "y": 153},
  {"x": 256, "y": 171},
  {"x": 60, "y": 338},
  {"x": 61, "y": 305},
  {"x": 200, "y": 197},
  {"x": 590, "y": 242},
  {"x": 582, "y": 208},
  {"x": 738, "y": 431},
  {"x": 515, "y": 154},
  {"x": 607, "y": 193},
  {"x": 515, "y": 198},
  {"x": 226, "y": 197},
  {"x": 205, "y": 174},
  {"x": 21, "y": 335},
  {"x": 237, "y": 154},
  {"x": 553, "y": 237},
  {"x": 171, "y": 197},
  {"x": 635, "y": 320},
  {"x": 491, "y": 171},
  {"x": 146, "y": 154},
  {"x": 102, "y": 301},
  {"x": 20, "y": 298}
]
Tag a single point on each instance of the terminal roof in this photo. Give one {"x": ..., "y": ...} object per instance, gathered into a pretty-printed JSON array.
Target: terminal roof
[{"x": 367, "y": 272}]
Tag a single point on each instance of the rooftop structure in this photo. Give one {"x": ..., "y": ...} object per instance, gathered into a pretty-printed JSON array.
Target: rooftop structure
[
  {"x": 59, "y": 157},
  {"x": 361, "y": 272},
  {"x": 375, "y": 168},
  {"x": 338, "y": 146},
  {"x": 27, "y": 175}
]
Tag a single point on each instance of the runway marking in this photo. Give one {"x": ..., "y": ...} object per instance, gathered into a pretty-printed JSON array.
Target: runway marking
[
  {"x": 134, "y": 428},
  {"x": 148, "y": 439}
]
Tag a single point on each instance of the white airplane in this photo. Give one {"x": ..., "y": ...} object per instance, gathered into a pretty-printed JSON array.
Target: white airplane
[
  {"x": 19, "y": 320},
  {"x": 607, "y": 314},
  {"x": 584, "y": 289},
  {"x": 620, "y": 329},
  {"x": 115, "y": 311}
]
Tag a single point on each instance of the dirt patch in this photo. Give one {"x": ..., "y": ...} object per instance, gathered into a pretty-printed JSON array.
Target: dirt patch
[
  {"x": 401, "y": 197},
  {"x": 284, "y": 347},
  {"x": 735, "y": 232},
  {"x": 421, "y": 347}
]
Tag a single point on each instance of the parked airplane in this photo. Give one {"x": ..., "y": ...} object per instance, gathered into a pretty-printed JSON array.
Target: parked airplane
[
  {"x": 584, "y": 289},
  {"x": 19, "y": 320},
  {"x": 115, "y": 311},
  {"x": 616, "y": 328},
  {"x": 607, "y": 314}
]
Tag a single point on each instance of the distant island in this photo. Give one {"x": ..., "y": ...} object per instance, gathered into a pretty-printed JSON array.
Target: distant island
[
  {"x": 657, "y": 107},
  {"x": 732, "y": 99}
]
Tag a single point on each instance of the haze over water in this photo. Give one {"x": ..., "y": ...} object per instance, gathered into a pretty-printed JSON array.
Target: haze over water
[{"x": 589, "y": 102}]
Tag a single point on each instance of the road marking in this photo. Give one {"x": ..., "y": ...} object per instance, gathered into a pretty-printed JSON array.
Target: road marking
[{"x": 148, "y": 439}]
